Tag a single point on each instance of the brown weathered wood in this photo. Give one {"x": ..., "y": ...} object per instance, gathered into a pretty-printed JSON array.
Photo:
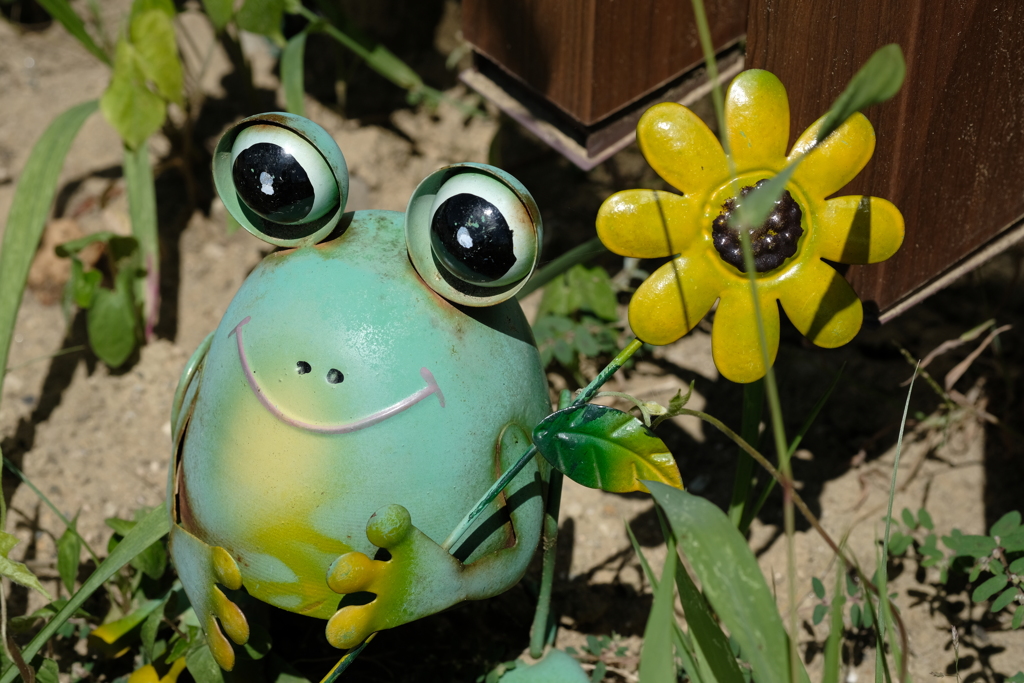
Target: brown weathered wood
[
  {"x": 950, "y": 150},
  {"x": 592, "y": 58}
]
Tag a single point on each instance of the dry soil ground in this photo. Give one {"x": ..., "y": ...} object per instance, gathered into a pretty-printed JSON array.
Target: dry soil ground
[{"x": 96, "y": 441}]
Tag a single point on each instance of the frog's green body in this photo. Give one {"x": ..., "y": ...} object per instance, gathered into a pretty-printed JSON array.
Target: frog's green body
[{"x": 280, "y": 462}]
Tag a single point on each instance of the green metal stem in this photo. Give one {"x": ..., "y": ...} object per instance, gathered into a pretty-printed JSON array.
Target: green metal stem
[
  {"x": 584, "y": 396},
  {"x": 542, "y": 626},
  {"x": 753, "y": 406}
]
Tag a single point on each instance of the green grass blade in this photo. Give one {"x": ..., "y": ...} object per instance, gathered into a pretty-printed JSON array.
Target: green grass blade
[
  {"x": 657, "y": 664},
  {"x": 292, "y": 74},
  {"x": 148, "y": 531},
  {"x": 732, "y": 581},
  {"x": 713, "y": 645},
  {"x": 62, "y": 12},
  {"x": 830, "y": 672},
  {"x": 33, "y": 198},
  {"x": 684, "y": 647},
  {"x": 878, "y": 80},
  {"x": 138, "y": 178}
]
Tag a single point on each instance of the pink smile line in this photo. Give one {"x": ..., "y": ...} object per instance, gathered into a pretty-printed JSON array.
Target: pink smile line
[{"x": 379, "y": 416}]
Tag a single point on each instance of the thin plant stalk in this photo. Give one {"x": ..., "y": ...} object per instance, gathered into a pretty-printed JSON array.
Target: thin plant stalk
[
  {"x": 549, "y": 542},
  {"x": 585, "y": 395}
]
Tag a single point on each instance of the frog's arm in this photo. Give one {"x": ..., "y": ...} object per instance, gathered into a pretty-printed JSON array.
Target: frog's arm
[
  {"x": 188, "y": 374},
  {"x": 421, "y": 577}
]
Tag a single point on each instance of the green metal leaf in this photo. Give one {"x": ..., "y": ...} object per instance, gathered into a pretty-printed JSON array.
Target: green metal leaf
[
  {"x": 1004, "y": 599},
  {"x": 16, "y": 571},
  {"x": 1007, "y": 524},
  {"x": 293, "y": 74},
  {"x": 878, "y": 80},
  {"x": 657, "y": 664},
  {"x": 604, "y": 448},
  {"x": 69, "y": 551},
  {"x": 156, "y": 53},
  {"x": 138, "y": 178},
  {"x": 731, "y": 580},
  {"x": 30, "y": 206},
  {"x": 989, "y": 588},
  {"x": 73, "y": 24},
  {"x": 128, "y": 104},
  {"x": 219, "y": 12}
]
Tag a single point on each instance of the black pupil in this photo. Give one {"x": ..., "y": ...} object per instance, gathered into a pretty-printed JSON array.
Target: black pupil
[
  {"x": 272, "y": 183},
  {"x": 472, "y": 238}
]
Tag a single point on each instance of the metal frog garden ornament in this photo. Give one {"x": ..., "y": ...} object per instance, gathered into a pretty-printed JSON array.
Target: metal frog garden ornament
[{"x": 369, "y": 381}]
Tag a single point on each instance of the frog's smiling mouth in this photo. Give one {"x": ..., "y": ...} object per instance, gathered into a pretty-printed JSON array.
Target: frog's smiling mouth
[{"x": 379, "y": 416}]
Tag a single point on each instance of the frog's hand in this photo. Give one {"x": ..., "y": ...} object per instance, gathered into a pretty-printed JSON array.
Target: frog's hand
[
  {"x": 200, "y": 567},
  {"x": 188, "y": 378}
]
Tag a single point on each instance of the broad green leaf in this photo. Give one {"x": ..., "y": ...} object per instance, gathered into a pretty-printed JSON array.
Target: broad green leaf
[
  {"x": 926, "y": 519},
  {"x": 202, "y": 666},
  {"x": 1004, "y": 599},
  {"x": 731, "y": 580},
  {"x": 908, "y": 518},
  {"x": 48, "y": 672},
  {"x": 292, "y": 74},
  {"x": 263, "y": 17},
  {"x": 713, "y": 650},
  {"x": 1017, "y": 566},
  {"x": 818, "y": 587},
  {"x": 219, "y": 12},
  {"x": 111, "y": 326},
  {"x": 152, "y": 561},
  {"x": 120, "y": 526},
  {"x": 1013, "y": 542},
  {"x": 989, "y": 588},
  {"x": 1018, "y": 617},
  {"x": 878, "y": 80},
  {"x": 138, "y": 177},
  {"x": 128, "y": 104},
  {"x": 30, "y": 206},
  {"x": 657, "y": 664},
  {"x": 1007, "y": 524},
  {"x": 595, "y": 291},
  {"x": 969, "y": 545},
  {"x": 142, "y": 6},
  {"x": 149, "y": 530},
  {"x": 604, "y": 448},
  {"x": 16, "y": 571},
  {"x": 72, "y": 247},
  {"x": 156, "y": 53},
  {"x": 83, "y": 284},
  {"x": 69, "y": 551},
  {"x": 820, "y": 611},
  {"x": 855, "y": 615},
  {"x": 73, "y": 24}
]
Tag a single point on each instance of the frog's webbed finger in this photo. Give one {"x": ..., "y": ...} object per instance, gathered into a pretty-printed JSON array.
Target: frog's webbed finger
[
  {"x": 421, "y": 578},
  {"x": 201, "y": 567}
]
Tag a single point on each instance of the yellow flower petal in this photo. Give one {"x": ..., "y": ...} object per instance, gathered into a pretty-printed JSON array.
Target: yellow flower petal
[
  {"x": 647, "y": 224},
  {"x": 672, "y": 300},
  {"x": 681, "y": 148},
  {"x": 858, "y": 229},
  {"x": 822, "y": 305},
  {"x": 757, "y": 121},
  {"x": 835, "y": 161},
  {"x": 734, "y": 338}
]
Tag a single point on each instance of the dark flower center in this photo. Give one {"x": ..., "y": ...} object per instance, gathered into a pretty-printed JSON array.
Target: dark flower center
[{"x": 772, "y": 243}]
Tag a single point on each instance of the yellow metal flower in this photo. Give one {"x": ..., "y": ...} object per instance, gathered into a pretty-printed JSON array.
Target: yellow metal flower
[{"x": 804, "y": 229}]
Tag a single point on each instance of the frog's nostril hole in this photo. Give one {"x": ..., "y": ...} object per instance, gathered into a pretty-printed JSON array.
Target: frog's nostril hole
[
  {"x": 302, "y": 367},
  {"x": 334, "y": 376}
]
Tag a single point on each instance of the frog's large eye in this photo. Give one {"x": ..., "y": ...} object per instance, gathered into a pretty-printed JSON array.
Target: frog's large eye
[
  {"x": 282, "y": 177},
  {"x": 473, "y": 233}
]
